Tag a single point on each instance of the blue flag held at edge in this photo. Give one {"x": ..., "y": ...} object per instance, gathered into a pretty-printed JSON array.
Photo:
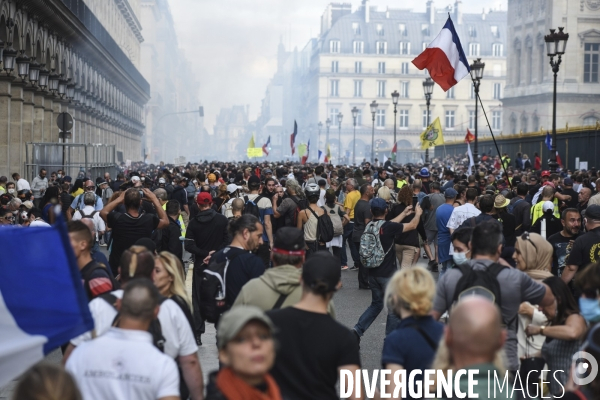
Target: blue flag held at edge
[
  {"x": 42, "y": 301},
  {"x": 548, "y": 141}
]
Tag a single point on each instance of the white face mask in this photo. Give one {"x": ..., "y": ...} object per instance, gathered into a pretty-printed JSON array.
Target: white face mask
[
  {"x": 11, "y": 191},
  {"x": 59, "y": 176},
  {"x": 460, "y": 258}
]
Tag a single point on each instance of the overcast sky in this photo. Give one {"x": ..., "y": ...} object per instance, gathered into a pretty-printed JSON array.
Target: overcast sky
[{"x": 232, "y": 44}]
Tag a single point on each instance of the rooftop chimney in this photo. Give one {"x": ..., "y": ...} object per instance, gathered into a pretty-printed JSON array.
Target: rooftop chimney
[
  {"x": 483, "y": 14},
  {"x": 367, "y": 6},
  {"x": 458, "y": 15},
  {"x": 431, "y": 11}
]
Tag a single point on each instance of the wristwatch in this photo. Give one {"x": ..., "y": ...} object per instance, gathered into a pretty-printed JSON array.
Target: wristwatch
[{"x": 542, "y": 330}]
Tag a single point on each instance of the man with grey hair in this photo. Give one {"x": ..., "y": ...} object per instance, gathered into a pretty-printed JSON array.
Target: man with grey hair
[
  {"x": 89, "y": 212},
  {"x": 126, "y": 350}
]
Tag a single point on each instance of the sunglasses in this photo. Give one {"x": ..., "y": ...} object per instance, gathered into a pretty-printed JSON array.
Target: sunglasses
[
  {"x": 525, "y": 236},
  {"x": 90, "y": 187}
]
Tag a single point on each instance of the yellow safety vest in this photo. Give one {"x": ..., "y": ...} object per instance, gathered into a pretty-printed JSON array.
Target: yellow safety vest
[
  {"x": 537, "y": 212},
  {"x": 400, "y": 184},
  {"x": 180, "y": 220}
]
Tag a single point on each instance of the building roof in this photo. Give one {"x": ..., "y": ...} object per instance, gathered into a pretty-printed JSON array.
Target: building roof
[{"x": 475, "y": 28}]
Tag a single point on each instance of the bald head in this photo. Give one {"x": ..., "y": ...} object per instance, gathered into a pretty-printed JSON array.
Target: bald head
[
  {"x": 474, "y": 333},
  {"x": 548, "y": 192}
]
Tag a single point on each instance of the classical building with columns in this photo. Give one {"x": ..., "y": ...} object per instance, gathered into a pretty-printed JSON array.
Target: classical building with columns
[
  {"x": 530, "y": 85},
  {"x": 363, "y": 55},
  {"x": 74, "y": 56}
]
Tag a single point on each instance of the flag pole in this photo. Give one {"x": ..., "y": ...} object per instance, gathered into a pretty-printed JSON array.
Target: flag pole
[{"x": 492, "y": 133}]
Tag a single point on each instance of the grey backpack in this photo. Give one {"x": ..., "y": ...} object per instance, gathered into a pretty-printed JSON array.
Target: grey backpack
[
  {"x": 338, "y": 227},
  {"x": 371, "y": 251}
]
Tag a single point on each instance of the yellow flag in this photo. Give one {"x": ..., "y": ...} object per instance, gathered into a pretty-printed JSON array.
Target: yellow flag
[
  {"x": 251, "y": 144},
  {"x": 432, "y": 136},
  {"x": 301, "y": 150},
  {"x": 253, "y": 152}
]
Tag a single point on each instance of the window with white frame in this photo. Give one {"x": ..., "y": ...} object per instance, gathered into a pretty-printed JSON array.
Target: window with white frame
[
  {"x": 471, "y": 119},
  {"x": 426, "y": 120},
  {"x": 380, "y": 88},
  {"x": 358, "y": 47},
  {"x": 449, "y": 119},
  {"x": 425, "y": 29},
  {"x": 472, "y": 31},
  {"x": 358, "y": 67},
  {"x": 497, "y": 91},
  {"x": 403, "y": 119},
  {"x": 381, "y": 47},
  {"x": 402, "y": 29},
  {"x": 473, "y": 49},
  {"x": 335, "y": 85},
  {"x": 496, "y": 120},
  {"x": 404, "y": 68},
  {"x": 404, "y": 48},
  {"x": 380, "y": 118},
  {"x": 424, "y": 46},
  {"x": 379, "y": 29},
  {"x": 358, "y": 88},
  {"x": 359, "y": 118},
  {"x": 495, "y": 31},
  {"x": 334, "y": 46},
  {"x": 356, "y": 28},
  {"x": 591, "y": 62},
  {"x": 497, "y": 49},
  {"x": 333, "y": 115},
  {"x": 381, "y": 67},
  {"x": 334, "y": 66},
  {"x": 404, "y": 89},
  {"x": 590, "y": 121},
  {"x": 450, "y": 93}
]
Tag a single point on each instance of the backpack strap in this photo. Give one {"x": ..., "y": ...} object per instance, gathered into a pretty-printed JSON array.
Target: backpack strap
[
  {"x": 110, "y": 299},
  {"x": 425, "y": 336},
  {"x": 279, "y": 301}
]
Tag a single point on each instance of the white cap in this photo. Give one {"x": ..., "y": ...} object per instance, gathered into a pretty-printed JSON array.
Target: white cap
[
  {"x": 162, "y": 180},
  {"x": 232, "y": 187},
  {"x": 548, "y": 205},
  {"x": 135, "y": 178}
]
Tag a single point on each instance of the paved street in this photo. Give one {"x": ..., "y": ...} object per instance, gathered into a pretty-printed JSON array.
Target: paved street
[{"x": 349, "y": 305}]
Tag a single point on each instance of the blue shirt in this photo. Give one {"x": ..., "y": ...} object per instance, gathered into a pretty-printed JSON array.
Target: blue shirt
[
  {"x": 406, "y": 346},
  {"x": 75, "y": 203},
  {"x": 442, "y": 216}
]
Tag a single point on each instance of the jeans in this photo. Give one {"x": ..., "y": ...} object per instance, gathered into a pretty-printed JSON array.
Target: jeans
[
  {"x": 378, "y": 285},
  {"x": 353, "y": 250}
]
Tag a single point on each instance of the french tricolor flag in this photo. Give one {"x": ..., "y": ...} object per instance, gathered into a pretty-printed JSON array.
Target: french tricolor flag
[{"x": 444, "y": 58}]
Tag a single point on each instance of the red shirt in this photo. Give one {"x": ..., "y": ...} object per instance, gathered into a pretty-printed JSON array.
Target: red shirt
[{"x": 538, "y": 164}]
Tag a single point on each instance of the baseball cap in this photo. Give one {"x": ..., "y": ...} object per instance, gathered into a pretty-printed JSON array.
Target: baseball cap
[
  {"x": 28, "y": 204},
  {"x": 378, "y": 204},
  {"x": 548, "y": 205},
  {"x": 399, "y": 173},
  {"x": 322, "y": 268},
  {"x": 267, "y": 171},
  {"x": 289, "y": 241},
  {"x": 67, "y": 179},
  {"x": 568, "y": 182},
  {"x": 135, "y": 178},
  {"x": 450, "y": 193},
  {"x": 424, "y": 172},
  {"x": 593, "y": 212},
  {"x": 546, "y": 173},
  {"x": 232, "y": 187},
  {"x": 162, "y": 180},
  {"x": 234, "y": 320},
  {"x": 204, "y": 198},
  {"x": 253, "y": 179}
]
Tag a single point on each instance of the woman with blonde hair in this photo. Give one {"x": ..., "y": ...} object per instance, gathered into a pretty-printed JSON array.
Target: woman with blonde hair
[
  {"x": 412, "y": 345},
  {"x": 169, "y": 279},
  {"x": 533, "y": 255}
]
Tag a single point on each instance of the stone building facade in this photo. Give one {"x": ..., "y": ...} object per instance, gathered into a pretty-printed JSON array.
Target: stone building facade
[
  {"x": 98, "y": 82},
  {"x": 529, "y": 88}
]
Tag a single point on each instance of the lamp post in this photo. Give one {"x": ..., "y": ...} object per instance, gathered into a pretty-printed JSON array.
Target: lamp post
[
  {"x": 327, "y": 125},
  {"x": 477, "y": 69},
  {"x": 340, "y": 116},
  {"x": 428, "y": 90},
  {"x": 556, "y": 43},
  {"x": 395, "y": 97},
  {"x": 320, "y": 125},
  {"x": 354, "y": 116},
  {"x": 373, "y": 106}
]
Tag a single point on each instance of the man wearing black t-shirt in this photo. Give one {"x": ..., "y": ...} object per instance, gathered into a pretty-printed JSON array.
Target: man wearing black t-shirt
[
  {"x": 586, "y": 249},
  {"x": 130, "y": 226},
  {"x": 313, "y": 347},
  {"x": 379, "y": 276},
  {"x": 562, "y": 242}
]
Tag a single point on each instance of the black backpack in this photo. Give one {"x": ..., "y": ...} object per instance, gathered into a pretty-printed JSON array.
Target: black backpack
[
  {"x": 88, "y": 275},
  {"x": 251, "y": 206},
  {"x": 91, "y": 216},
  {"x": 481, "y": 282},
  {"x": 155, "y": 328},
  {"x": 301, "y": 204},
  {"x": 213, "y": 289},
  {"x": 324, "y": 227}
]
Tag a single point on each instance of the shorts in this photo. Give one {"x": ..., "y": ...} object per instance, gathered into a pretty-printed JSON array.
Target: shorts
[{"x": 431, "y": 236}]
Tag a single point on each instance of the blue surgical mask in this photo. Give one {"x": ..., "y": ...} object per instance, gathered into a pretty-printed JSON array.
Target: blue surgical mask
[
  {"x": 590, "y": 309},
  {"x": 460, "y": 258}
]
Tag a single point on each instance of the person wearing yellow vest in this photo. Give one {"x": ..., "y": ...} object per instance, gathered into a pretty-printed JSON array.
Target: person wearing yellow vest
[
  {"x": 505, "y": 161},
  {"x": 400, "y": 180},
  {"x": 161, "y": 195},
  {"x": 537, "y": 210}
]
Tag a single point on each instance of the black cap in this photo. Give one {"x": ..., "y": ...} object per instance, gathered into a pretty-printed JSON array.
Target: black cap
[
  {"x": 593, "y": 212},
  {"x": 322, "y": 268},
  {"x": 253, "y": 179},
  {"x": 289, "y": 241}
]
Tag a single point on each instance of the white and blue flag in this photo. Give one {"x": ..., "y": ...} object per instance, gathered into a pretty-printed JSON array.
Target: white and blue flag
[{"x": 42, "y": 301}]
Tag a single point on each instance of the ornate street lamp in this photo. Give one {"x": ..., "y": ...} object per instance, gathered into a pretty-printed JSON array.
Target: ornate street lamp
[
  {"x": 23, "y": 65},
  {"x": 354, "y": 116},
  {"x": 62, "y": 86},
  {"x": 428, "y": 90},
  {"x": 44, "y": 75},
  {"x": 395, "y": 97},
  {"x": 477, "y": 69},
  {"x": 340, "y": 116},
  {"x": 373, "y": 106},
  {"x": 34, "y": 71},
  {"x": 8, "y": 58},
  {"x": 53, "y": 82},
  {"x": 70, "y": 91},
  {"x": 556, "y": 43}
]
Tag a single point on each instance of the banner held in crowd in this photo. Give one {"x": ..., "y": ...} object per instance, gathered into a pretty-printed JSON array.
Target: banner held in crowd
[{"x": 433, "y": 135}]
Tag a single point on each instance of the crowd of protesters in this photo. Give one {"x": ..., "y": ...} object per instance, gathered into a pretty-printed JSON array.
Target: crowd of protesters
[{"x": 285, "y": 233}]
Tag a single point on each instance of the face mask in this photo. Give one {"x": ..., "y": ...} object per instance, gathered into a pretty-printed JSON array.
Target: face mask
[
  {"x": 459, "y": 258},
  {"x": 11, "y": 191},
  {"x": 59, "y": 176},
  {"x": 590, "y": 309}
]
